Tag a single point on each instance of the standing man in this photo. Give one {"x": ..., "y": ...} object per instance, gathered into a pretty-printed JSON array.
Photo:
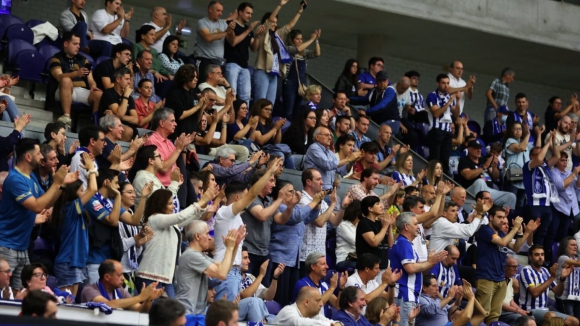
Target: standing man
[
  {"x": 443, "y": 109},
  {"x": 498, "y": 93},
  {"x": 162, "y": 22},
  {"x": 75, "y": 20},
  {"x": 383, "y": 104},
  {"x": 523, "y": 116},
  {"x": 210, "y": 40},
  {"x": 417, "y": 99},
  {"x": 403, "y": 257},
  {"x": 320, "y": 157},
  {"x": 446, "y": 273},
  {"x": 109, "y": 26},
  {"x": 237, "y": 54},
  {"x": 367, "y": 80},
  {"x": 491, "y": 258},
  {"x": 458, "y": 85}
]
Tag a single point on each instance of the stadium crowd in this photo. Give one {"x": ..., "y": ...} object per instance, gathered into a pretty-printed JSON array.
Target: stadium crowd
[{"x": 150, "y": 230}]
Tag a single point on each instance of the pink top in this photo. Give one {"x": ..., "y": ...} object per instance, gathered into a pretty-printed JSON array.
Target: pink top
[
  {"x": 143, "y": 111},
  {"x": 165, "y": 148}
]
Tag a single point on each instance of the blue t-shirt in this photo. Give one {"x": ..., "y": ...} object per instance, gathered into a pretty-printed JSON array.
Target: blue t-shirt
[
  {"x": 98, "y": 211},
  {"x": 16, "y": 221},
  {"x": 322, "y": 287},
  {"x": 403, "y": 253},
  {"x": 367, "y": 78},
  {"x": 490, "y": 257},
  {"x": 74, "y": 236}
]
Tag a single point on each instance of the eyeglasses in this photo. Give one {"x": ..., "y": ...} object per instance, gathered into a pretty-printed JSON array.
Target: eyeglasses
[
  {"x": 39, "y": 275},
  {"x": 325, "y": 135},
  {"x": 101, "y": 139},
  {"x": 511, "y": 266},
  {"x": 454, "y": 311},
  {"x": 6, "y": 271},
  {"x": 212, "y": 99},
  {"x": 156, "y": 156}
]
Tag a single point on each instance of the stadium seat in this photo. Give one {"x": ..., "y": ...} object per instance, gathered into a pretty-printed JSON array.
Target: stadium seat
[
  {"x": 273, "y": 307},
  {"x": 126, "y": 41},
  {"x": 29, "y": 65},
  {"x": 555, "y": 248},
  {"x": 51, "y": 282},
  {"x": 102, "y": 58},
  {"x": 19, "y": 32},
  {"x": 331, "y": 252},
  {"x": 8, "y": 20},
  {"x": 91, "y": 60},
  {"x": 34, "y": 22},
  {"x": 48, "y": 51},
  {"x": 15, "y": 47}
]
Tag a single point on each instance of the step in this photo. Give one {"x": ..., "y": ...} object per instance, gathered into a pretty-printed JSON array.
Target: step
[
  {"x": 36, "y": 113},
  {"x": 29, "y": 102}
]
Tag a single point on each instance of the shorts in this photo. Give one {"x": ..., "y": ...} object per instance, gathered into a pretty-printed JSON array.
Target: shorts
[
  {"x": 67, "y": 275},
  {"x": 79, "y": 94}
]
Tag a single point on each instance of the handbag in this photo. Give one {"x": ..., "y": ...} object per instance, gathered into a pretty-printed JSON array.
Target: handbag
[
  {"x": 515, "y": 174},
  {"x": 301, "y": 87}
]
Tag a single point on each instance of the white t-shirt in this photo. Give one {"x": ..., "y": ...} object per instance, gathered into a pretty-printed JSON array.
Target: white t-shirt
[
  {"x": 458, "y": 83},
  {"x": 562, "y": 139},
  {"x": 99, "y": 20},
  {"x": 402, "y": 100},
  {"x": 220, "y": 91},
  {"x": 75, "y": 165},
  {"x": 158, "y": 45},
  {"x": 224, "y": 222},
  {"x": 420, "y": 245},
  {"x": 355, "y": 280}
]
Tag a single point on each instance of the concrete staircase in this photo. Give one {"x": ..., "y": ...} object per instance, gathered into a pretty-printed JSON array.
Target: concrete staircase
[{"x": 35, "y": 108}]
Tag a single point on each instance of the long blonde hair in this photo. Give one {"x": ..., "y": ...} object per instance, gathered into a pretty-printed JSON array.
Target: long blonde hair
[{"x": 401, "y": 162}]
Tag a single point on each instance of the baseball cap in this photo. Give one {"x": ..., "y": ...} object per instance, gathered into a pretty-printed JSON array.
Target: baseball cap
[
  {"x": 503, "y": 109},
  {"x": 213, "y": 282},
  {"x": 474, "y": 144},
  {"x": 382, "y": 75}
]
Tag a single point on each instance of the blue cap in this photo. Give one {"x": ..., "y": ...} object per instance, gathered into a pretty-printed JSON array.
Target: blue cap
[{"x": 503, "y": 109}]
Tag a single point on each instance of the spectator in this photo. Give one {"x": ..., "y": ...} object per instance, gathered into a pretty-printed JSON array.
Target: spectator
[
  {"x": 404, "y": 171},
  {"x": 162, "y": 22},
  {"x": 346, "y": 237},
  {"x": 340, "y": 109},
  {"x": 216, "y": 82},
  {"x": 109, "y": 26},
  {"x": 188, "y": 106},
  {"x": 367, "y": 81},
  {"x": 143, "y": 106},
  {"x": 459, "y": 196},
  {"x": 169, "y": 55},
  {"x": 521, "y": 114},
  {"x": 92, "y": 141},
  {"x": 71, "y": 79},
  {"x": 491, "y": 286},
  {"x": 458, "y": 85},
  {"x": 406, "y": 109},
  {"x": 104, "y": 73},
  {"x": 322, "y": 118},
  {"x": 316, "y": 268},
  {"x": 434, "y": 173},
  {"x": 379, "y": 306},
  {"x": 446, "y": 272},
  {"x": 271, "y": 53},
  {"x": 383, "y": 106},
  {"x": 467, "y": 316},
  {"x": 222, "y": 312},
  {"x": 158, "y": 262},
  {"x": 511, "y": 311},
  {"x": 55, "y": 135},
  {"x": 428, "y": 194},
  {"x": 34, "y": 277},
  {"x": 347, "y": 83},
  {"x": 346, "y": 154},
  {"x": 366, "y": 275},
  {"x": 105, "y": 212},
  {"x": 313, "y": 96},
  {"x": 236, "y": 54},
  {"x": 75, "y": 20},
  {"x": 167, "y": 312},
  {"x": 23, "y": 202},
  {"x": 258, "y": 217},
  {"x": 446, "y": 231},
  {"x": 48, "y": 165},
  {"x": 565, "y": 141},
  {"x": 498, "y": 93},
  {"x": 144, "y": 70},
  {"x": 343, "y": 126},
  {"x": 239, "y": 131},
  {"x": 226, "y": 170},
  {"x": 374, "y": 232},
  {"x": 387, "y": 151},
  {"x": 352, "y": 305},
  {"x": 196, "y": 267},
  {"x": 536, "y": 281},
  {"x": 554, "y": 110},
  {"x": 296, "y": 71},
  {"x": 206, "y": 140},
  {"x": 361, "y": 127},
  {"x": 73, "y": 239},
  {"x": 39, "y": 304},
  {"x": 369, "y": 179},
  {"x": 144, "y": 40},
  {"x": 525, "y": 321},
  {"x": 305, "y": 311},
  {"x": 435, "y": 306},
  {"x": 267, "y": 132},
  {"x": 537, "y": 174},
  {"x": 119, "y": 102},
  {"x": 6, "y": 291},
  {"x": 228, "y": 217},
  {"x": 443, "y": 109},
  {"x": 109, "y": 289},
  {"x": 495, "y": 130},
  {"x": 113, "y": 129},
  {"x": 476, "y": 172},
  {"x": 320, "y": 157},
  {"x": 568, "y": 257},
  {"x": 421, "y": 115},
  {"x": 403, "y": 257},
  {"x": 299, "y": 135}
]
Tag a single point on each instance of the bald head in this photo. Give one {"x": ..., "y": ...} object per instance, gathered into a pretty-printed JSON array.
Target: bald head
[
  {"x": 428, "y": 193},
  {"x": 158, "y": 13},
  {"x": 305, "y": 293},
  {"x": 403, "y": 85},
  {"x": 459, "y": 195},
  {"x": 385, "y": 133}
]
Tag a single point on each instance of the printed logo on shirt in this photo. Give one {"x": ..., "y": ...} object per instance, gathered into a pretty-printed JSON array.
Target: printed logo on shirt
[{"x": 97, "y": 206}]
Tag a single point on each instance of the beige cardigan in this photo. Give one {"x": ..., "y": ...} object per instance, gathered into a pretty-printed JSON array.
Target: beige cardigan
[{"x": 265, "y": 57}]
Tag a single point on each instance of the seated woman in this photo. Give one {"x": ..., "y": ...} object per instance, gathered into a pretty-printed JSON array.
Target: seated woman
[
  {"x": 434, "y": 173},
  {"x": 268, "y": 134},
  {"x": 34, "y": 277},
  {"x": 169, "y": 60},
  {"x": 143, "y": 106},
  {"x": 313, "y": 95},
  {"x": 238, "y": 131},
  {"x": 11, "y": 111},
  {"x": 404, "y": 171},
  {"x": 299, "y": 135}
]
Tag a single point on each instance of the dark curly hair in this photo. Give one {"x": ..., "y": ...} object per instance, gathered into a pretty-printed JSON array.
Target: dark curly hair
[
  {"x": 156, "y": 203},
  {"x": 185, "y": 74}
]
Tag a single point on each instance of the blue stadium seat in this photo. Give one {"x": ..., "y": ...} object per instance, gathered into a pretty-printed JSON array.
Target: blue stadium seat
[
  {"x": 29, "y": 65},
  {"x": 8, "y": 20},
  {"x": 331, "y": 252},
  {"x": 102, "y": 58},
  {"x": 91, "y": 60},
  {"x": 555, "y": 248},
  {"x": 34, "y": 22},
  {"x": 126, "y": 41},
  {"x": 273, "y": 307},
  {"x": 19, "y": 32},
  {"x": 48, "y": 50},
  {"x": 15, "y": 47}
]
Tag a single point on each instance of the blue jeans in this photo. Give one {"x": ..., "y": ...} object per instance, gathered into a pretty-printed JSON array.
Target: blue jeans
[
  {"x": 292, "y": 101},
  {"x": 98, "y": 48},
  {"x": 572, "y": 308},
  {"x": 240, "y": 80},
  {"x": 545, "y": 215},
  {"x": 169, "y": 289},
  {"x": 252, "y": 309},
  {"x": 265, "y": 85},
  {"x": 92, "y": 274},
  {"x": 395, "y": 126},
  {"x": 231, "y": 286},
  {"x": 11, "y": 111},
  {"x": 406, "y": 308},
  {"x": 557, "y": 230},
  {"x": 81, "y": 29}
]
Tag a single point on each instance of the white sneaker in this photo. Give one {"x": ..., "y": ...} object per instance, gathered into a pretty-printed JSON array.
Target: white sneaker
[{"x": 66, "y": 120}]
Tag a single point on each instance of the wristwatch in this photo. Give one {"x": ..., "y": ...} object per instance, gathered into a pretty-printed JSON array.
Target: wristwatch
[{"x": 94, "y": 171}]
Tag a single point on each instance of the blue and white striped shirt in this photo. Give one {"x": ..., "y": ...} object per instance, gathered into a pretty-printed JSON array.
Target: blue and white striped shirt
[
  {"x": 409, "y": 285},
  {"x": 531, "y": 277},
  {"x": 445, "y": 120},
  {"x": 405, "y": 178},
  {"x": 537, "y": 184},
  {"x": 446, "y": 277},
  {"x": 417, "y": 100}
]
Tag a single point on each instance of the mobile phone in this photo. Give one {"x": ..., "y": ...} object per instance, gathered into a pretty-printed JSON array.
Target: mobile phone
[
  {"x": 303, "y": 4},
  {"x": 328, "y": 191},
  {"x": 89, "y": 66}
]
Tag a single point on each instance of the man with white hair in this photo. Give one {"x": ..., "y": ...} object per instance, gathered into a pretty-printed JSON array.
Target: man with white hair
[
  {"x": 6, "y": 292},
  {"x": 162, "y": 21},
  {"x": 195, "y": 267},
  {"x": 225, "y": 169},
  {"x": 320, "y": 156},
  {"x": 565, "y": 142},
  {"x": 457, "y": 84}
]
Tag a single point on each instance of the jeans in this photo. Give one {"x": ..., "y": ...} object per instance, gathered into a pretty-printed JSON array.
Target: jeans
[
  {"x": 169, "y": 289},
  {"x": 81, "y": 29},
  {"x": 92, "y": 276},
  {"x": 240, "y": 80},
  {"x": 11, "y": 111},
  {"x": 501, "y": 198},
  {"x": 545, "y": 215},
  {"x": 490, "y": 295},
  {"x": 440, "y": 147},
  {"x": 254, "y": 267},
  {"x": 17, "y": 260},
  {"x": 557, "y": 230},
  {"x": 265, "y": 86},
  {"x": 98, "y": 48},
  {"x": 252, "y": 309},
  {"x": 572, "y": 308},
  {"x": 406, "y": 308},
  {"x": 489, "y": 113},
  {"x": 291, "y": 100},
  {"x": 509, "y": 317},
  {"x": 231, "y": 286}
]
